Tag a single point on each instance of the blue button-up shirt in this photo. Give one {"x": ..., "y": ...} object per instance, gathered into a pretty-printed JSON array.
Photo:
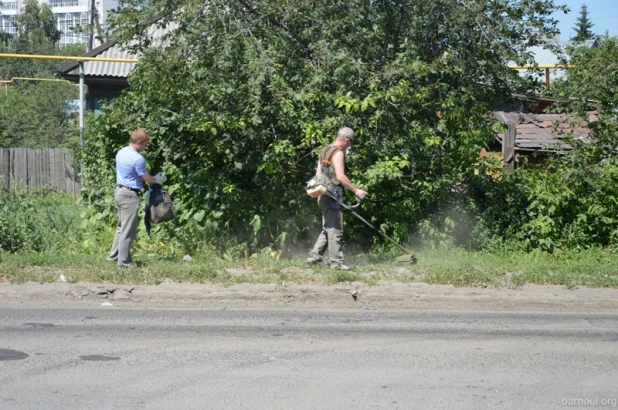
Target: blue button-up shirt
[{"x": 130, "y": 166}]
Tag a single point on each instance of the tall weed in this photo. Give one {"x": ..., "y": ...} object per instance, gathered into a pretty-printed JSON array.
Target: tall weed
[{"x": 36, "y": 222}]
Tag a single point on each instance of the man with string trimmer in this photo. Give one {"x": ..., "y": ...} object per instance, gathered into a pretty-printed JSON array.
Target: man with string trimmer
[{"x": 331, "y": 177}]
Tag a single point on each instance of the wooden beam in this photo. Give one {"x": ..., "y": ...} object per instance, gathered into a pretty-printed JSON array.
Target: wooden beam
[{"x": 508, "y": 147}]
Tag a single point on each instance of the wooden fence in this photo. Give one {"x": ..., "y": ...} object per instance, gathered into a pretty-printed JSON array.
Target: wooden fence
[{"x": 39, "y": 169}]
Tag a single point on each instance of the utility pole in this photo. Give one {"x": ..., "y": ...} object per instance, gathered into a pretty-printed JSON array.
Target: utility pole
[{"x": 91, "y": 25}]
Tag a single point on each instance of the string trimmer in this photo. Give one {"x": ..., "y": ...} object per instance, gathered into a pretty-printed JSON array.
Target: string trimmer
[{"x": 406, "y": 258}]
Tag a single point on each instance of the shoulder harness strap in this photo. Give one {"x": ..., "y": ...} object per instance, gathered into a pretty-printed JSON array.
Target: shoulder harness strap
[{"x": 328, "y": 154}]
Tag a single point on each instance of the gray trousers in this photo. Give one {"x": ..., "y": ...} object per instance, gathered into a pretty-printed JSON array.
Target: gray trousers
[
  {"x": 126, "y": 231},
  {"x": 330, "y": 236}
]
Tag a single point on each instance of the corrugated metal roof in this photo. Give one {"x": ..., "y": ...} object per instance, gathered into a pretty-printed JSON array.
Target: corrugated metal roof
[
  {"x": 95, "y": 68},
  {"x": 112, "y": 50},
  {"x": 108, "y": 69},
  {"x": 545, "y": 131}
]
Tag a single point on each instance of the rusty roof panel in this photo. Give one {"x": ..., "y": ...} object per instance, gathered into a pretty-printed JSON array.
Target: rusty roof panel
[{"x": 545, "y": 131}]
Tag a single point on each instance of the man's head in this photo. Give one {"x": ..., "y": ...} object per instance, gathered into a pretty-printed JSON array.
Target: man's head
[
  {"x": 346, "y": 137},
  {"x": 139, "y": 140}
]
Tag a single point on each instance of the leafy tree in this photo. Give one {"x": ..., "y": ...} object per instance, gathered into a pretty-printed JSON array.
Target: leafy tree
[
  {"x": 36, "y": 34},
  {"x": 583, "y": 27},
  {"x": 569, "y": 201},
  {"x": 593, "y": 78},
  {"x": 35, "y": 114},
  {"x": 37, "y": 22},
  {"x": 592, "y": 85},
  {"x": 245, "y": 94}
]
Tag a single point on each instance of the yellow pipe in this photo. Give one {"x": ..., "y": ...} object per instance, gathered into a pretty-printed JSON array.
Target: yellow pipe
[
  {"x": 550, "y": 66},
  {"x": 34, "y": 79},
  {"x": 78, "y": 59},
  {"x": 135, "y": 60}
]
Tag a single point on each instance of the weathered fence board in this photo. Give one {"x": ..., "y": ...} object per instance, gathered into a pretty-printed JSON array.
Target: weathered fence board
[
  {"x": 45, "y": 166},
  {"x": 40, "y": 169},
  {"x": 31, "y": 168},
  {"x": 69, "y": 172},
  {"x": 53, "y": 167},
  {"x": 57, "y": 177},
  {"x": 4, "y": 166},
  {"x": 21, "y": 166}
]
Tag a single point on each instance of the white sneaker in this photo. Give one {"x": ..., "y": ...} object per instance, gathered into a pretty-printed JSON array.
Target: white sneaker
[
  {"x": 340, "y": 266},
  {"x": 313, "y": 260}
]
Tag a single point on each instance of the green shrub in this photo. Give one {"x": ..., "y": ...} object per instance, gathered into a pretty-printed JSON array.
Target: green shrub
[
  {"x": 11, "y": 239},
  {"x": 35, "y": 222},
  {"x": 239, "y": 129}
]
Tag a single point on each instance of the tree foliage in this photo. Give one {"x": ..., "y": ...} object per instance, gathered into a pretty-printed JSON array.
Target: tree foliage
[
  {"x": 570, "y": 200},
  {"x": 244, "y": 95},
  {"x": 35, "y": 114},
  {"x": 583, "y": 27},
  {"x": 36, "y": 34},
  {"x": 592, "y": 86},
  {"x": 593, "y": 78}
]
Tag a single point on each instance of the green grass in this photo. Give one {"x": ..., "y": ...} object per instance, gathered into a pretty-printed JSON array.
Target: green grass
[
  {"x": 57, "y": 236},
  {"x": 593, "y": 268}
]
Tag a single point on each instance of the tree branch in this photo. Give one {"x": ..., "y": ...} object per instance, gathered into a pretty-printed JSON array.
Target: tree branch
[{"x": 304, "y": 48}]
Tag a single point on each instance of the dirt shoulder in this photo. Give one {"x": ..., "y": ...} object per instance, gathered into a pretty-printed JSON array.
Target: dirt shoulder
[{"x": 383, "y": 297}]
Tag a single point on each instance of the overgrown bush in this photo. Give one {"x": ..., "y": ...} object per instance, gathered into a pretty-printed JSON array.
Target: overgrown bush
[
  {"x": 238, "y": 130},
  {"x": 35, "y": 222},
  {"x": 568, "y": 203}
]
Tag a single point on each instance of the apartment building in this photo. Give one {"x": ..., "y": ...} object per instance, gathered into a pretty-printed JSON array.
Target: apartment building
[{"x": 69, "y": 14}]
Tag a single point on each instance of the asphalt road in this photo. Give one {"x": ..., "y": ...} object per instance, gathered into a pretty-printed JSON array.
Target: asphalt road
[{"x": 112, "y": 358}]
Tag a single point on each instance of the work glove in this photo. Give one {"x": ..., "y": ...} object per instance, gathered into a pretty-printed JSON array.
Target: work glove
[{"x": 160, "y": 178}]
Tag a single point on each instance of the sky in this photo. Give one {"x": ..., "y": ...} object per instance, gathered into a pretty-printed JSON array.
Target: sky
[{"x": 602, "y": 13}]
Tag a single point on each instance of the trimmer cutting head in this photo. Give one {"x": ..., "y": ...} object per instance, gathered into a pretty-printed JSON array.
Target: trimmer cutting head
[{"x": 407, "y": 258}]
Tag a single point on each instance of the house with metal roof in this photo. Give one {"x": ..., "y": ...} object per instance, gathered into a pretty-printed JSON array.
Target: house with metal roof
[{"x": 107, "y": 79}]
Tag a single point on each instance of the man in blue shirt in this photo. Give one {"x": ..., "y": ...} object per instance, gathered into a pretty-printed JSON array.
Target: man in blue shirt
[{"x": 131, "y": 173}]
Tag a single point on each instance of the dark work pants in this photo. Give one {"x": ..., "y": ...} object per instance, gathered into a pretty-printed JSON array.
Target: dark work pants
[{"x": 331, "y": 234}]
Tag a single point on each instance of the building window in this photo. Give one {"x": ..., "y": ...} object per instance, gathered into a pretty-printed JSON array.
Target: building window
[
  {"x": 66, "y": 23},
  {"x": 8, "y": 5},
  {"x": 7, "y": 25},
  {"x": 68, "y": 3}
]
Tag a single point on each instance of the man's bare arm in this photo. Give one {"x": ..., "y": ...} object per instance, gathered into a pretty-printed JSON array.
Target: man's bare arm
[
  {"x": 149, "y": 179},
  {"x": 342, "y": 177}
]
